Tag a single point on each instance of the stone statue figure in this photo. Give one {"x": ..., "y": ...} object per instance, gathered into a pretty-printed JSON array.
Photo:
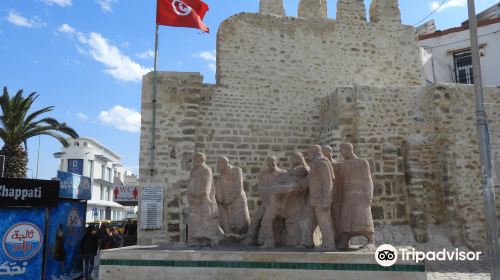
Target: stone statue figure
[
  {"x": 289, "y": 200},
  {"x": 266, "y": 179},
  {"x": 203, "y": 224},
  {"x": 320, "y": 182},
  {"x": 337, "y": 191},
  {"x": 356, "y": 216},
  {"x": 231, "y": 198}
]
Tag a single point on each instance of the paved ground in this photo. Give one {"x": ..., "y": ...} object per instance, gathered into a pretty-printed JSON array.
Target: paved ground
[
  {"x": 95, "y": 272},
  {"x": 451, "y": 270}
]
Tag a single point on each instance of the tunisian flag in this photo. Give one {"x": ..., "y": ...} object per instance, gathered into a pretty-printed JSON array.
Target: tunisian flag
[{"x": 181, "y": 13}]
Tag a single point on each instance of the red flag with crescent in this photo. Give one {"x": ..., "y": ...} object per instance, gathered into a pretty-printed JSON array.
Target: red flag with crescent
[{"x": 181, "y": 13}]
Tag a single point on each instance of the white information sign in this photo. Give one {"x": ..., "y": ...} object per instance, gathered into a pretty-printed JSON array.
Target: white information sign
[{"x": 151, "y": 207}]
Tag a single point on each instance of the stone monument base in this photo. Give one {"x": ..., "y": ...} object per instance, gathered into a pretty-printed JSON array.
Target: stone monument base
[{"x": 168, "y": 262}]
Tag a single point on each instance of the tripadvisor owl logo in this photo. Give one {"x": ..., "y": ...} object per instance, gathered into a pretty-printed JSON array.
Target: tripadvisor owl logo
[{"x": 386, "y": 255}]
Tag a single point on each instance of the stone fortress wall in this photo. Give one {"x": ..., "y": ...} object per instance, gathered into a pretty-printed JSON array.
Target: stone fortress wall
[{"x": 284, "y": 83}]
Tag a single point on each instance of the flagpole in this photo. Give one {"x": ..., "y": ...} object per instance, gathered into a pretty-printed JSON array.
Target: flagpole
[{"x": 153, "y": 101}]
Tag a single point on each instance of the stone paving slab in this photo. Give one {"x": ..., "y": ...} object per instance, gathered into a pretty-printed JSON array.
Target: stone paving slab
[{"x": 456, "y": 270}]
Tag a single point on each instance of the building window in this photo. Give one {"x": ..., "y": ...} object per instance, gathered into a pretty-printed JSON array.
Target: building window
[
  {"x": 110, "y": 173},
  {"x": 76, "y": 143},
  {"x": 102, "y": 192},
  {"x": 463, "y": 67},
  {"x": 105, "y": 193},
  {"x": 103, "y": 172},
  {"x": 91, "y": 168},
  {"x": 96, "y": 192},
  {"x": 85, "y": 144}
]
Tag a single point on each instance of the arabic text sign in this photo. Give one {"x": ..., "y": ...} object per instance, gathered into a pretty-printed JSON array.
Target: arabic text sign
[
  {"x": 22, "y": 241},
  {"x": 151, "y": 211},
  {"x": 21, "y": 235},
  {"x": 27, "y": 192}
]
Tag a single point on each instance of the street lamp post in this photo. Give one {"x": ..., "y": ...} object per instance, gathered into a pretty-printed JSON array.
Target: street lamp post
[{"x": 485, "y": 150}]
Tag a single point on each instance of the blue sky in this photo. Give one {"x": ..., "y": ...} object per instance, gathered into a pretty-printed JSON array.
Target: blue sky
[{"x": 86, "y": 58}]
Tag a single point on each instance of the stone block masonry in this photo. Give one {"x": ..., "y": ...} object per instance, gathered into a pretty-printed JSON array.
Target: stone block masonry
[
  {"x": 303, "y": 55},
  {"x": 420, "y": 142},
  {"x": 274, "y": 7},
  {"x": 423, "y": 151},
  {"x": 176, "y": 121}
]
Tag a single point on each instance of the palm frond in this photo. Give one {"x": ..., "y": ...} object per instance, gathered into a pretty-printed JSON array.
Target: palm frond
[
  {"x": 18, "y": 125},
  {"x": 35, "y": 114}
]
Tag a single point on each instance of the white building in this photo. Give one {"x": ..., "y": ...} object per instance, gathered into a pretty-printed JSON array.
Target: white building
[
  {"x": 89, "y": 158},
  {"x": 447, "y": 58},
  {"x": 446, "y": 53}
]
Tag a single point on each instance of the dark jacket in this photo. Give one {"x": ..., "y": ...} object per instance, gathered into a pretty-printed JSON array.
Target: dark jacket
[
  {"x": 89, "y": 245},
  {"x": 102, "y": 232},
  {"x": 112, "y": 241}
]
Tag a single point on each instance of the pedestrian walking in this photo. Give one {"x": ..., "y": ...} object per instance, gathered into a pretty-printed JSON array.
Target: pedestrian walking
[
  {"x": 88, "y": 249},
  {"x": 101, "y": 235},
  {"x": 112, "y": 240}
]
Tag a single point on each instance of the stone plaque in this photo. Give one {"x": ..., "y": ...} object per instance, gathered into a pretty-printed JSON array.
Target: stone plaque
[{"x": 151, "y": 207}]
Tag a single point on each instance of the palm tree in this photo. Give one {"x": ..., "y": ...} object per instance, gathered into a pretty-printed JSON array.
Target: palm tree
[{"x": 17, "y": 126}]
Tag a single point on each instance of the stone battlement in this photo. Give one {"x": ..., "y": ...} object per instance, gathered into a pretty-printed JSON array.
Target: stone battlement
[
  {"x": 267, "y": 52},
  {"x": 381, "y": 11}
]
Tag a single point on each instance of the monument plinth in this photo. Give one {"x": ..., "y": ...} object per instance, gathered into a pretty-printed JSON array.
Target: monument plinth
[{"x": 167, "y": 262}]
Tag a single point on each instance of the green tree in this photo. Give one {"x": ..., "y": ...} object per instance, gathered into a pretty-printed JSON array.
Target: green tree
[{"x": 18, "y": 125}]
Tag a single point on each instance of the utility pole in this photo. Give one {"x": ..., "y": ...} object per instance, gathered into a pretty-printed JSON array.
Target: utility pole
[
  {"x": 485, "y": 149},
  {"x": 38, "y": 156}
]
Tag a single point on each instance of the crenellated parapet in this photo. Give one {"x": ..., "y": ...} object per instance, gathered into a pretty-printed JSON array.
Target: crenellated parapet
[
  {"x": 385, "y": 12},
  {"x": 351, "y": 10},
  {"x": 274, "y": 7},
  {"x": 312, "y": 9}
]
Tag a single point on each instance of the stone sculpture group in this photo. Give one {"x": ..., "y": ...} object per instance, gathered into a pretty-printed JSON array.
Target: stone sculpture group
[{"x": 334, "y": 196}]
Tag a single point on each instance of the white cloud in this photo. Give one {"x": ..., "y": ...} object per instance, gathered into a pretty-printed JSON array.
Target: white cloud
[
  {"x": 62, "y": 3},
  {"x": 65, "y": 28},
  {"x": 209, "y": 56},
  {"x": 82, "y": 116},
  {"x": 146, "y": 54},
  {"x": 117, "y": 64},
  {"x": 106, "y": 5},
  {"x": 19, "y": 20},
  {"x": 121, "y": 118},
  {"x": 449, "y": 4}
]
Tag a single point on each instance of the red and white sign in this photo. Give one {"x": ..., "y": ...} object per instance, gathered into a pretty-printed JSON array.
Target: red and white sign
[{"x": 126, "y": 193}]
